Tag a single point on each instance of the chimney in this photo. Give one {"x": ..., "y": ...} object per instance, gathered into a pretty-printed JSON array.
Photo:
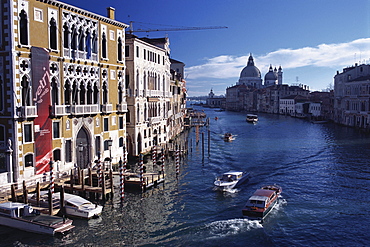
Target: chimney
[{"x": 110, "y": 12}]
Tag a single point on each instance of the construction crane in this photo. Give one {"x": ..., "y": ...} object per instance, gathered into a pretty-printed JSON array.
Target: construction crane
[{"x": 131, "y": 30}]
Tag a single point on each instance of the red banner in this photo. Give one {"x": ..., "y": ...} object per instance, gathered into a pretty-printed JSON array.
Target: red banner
[{"x": 41, "y": 93}]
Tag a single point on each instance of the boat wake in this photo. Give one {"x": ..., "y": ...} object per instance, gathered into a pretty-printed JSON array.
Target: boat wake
[
  {"x": 230, "y": 227},
  {"x": 231, "y": 191}
]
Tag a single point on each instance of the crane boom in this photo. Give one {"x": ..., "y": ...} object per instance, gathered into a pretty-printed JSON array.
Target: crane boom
[{"x": 171, "y": 29}]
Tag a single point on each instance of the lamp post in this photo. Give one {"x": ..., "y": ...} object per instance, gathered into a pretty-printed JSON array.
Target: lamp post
[
  {"x": 110, "y": 143},
  {"x": 81, "y": 149}
]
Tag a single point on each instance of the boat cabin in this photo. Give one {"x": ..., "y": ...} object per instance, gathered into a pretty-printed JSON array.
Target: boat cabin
[
  {"x": 261, "y": 198},
  {"x": 231, "y": 176},
  {"x": 16, "y": 209}
]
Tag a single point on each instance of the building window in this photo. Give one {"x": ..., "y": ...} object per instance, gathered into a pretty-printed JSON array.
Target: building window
[
  {"x": 54, "y": 91},
  {"x": 112, "y": 35},
  {"x": 120, "y": 142},
  {"x": 137, "y": 51},
  {"x": 97, "y": 145},
  {"x": 120, "y": 93},
  {"x": 23, "y": 28},
  {"x": 119, "y": 49},
  {"x": 26, "y": 91},
  {"x": 68, "y": 149},
  {"x": 57, "y": 155},
  {"x": 56, "y": 130},
  {"x": 120, "y": 123},
  {"x": 106, "y": 124},
  {"x": 53, "y": 34},
  {"x": 104, "y": 45},
  {"x": 65, "y": 36},
  {"x": 105, "y": 93},
  {"x": 94, "y": 43},
  {"x": 38, "y": 16},
  {"x": 28, "y": 160},
  {"x": 27, "y": 133}
]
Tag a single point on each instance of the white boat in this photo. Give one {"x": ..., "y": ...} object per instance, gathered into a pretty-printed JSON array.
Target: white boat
[
  {"x": 24, "y": 217},
  {"x": 230, "y": 180},
  {"x": 228, "y": 137},
  {"x": 252, "y": 118},
  {"x": 75, "y": 205}
]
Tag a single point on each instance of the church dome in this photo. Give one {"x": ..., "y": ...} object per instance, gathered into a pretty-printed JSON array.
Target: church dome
[
  {"x": 271, "y": 75},
  {"x": 250, "y": 70}
]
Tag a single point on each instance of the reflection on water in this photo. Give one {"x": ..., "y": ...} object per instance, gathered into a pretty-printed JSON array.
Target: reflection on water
[{"x": 322, "y": 169}]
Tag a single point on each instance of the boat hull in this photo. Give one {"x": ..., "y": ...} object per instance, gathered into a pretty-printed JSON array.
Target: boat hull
[
  {"x": 226, "y": 185},
  {"x": 30, "y": 225}
]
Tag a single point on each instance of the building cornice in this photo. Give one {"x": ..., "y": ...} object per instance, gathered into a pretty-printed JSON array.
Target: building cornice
[{"x": 84, "y": 12}]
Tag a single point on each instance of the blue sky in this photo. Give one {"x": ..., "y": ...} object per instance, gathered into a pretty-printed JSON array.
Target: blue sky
[{"x": 310, "y": 39}]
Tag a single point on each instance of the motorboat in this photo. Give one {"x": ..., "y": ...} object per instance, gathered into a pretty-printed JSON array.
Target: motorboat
[
  {"x": 24, "y": 217},
  {"x": 228, "y": 137},
  {"x": 230, "y": 180},
  {"x": 252, "y": 118},
  {"x": 74, "y": 205},
  {"x": 263, "y": 200}
]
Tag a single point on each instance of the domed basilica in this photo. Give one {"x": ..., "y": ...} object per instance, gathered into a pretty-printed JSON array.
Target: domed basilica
[{"x": 251, "y": 76}]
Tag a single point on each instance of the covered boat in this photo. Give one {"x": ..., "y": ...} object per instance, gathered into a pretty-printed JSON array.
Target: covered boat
[
  {"x": 262, "y": 201},
  {"x": 230, "y": 180},
  {"x": 252, "y": 118},
  {"x": 75, "y": 205},
  {"x": 24, "y": 217}
]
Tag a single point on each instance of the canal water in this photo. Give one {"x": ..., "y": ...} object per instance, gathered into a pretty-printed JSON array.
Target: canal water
[{"x": 323, "y": 169}]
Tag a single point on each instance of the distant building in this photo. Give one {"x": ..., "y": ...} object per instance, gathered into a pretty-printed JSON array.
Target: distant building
[
  {"x": 214, "y": 101},
  {"x": 352, "y": 96}
]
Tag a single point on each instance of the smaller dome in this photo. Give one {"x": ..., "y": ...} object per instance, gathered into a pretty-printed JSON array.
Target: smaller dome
[{"x": 271, "y": 75}]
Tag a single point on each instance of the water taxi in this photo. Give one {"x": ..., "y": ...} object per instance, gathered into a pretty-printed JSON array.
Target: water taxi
[
  {"x": 252, "y": 118},
  {"x": 261, "y": 203},
  {"x": 230, "y": 180},
  {"x": 24, "y": 217}
]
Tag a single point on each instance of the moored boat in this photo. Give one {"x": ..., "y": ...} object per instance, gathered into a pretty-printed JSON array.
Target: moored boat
[
  {"x": 24, "y": 217},
  {"x": 252, "y": 118},
  {"x": 263, "y": 200},
  {"x": 74, "y": 205},
  {"x": 230, "y": 180}
]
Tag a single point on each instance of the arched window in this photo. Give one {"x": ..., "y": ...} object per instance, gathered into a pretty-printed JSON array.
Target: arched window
[
  {"x": 82, "y": 94},
  {"x": 54, "y": 92},
  {"x": 89, "y": 94},
  {"x": 119, "y": 49},
  {"x": 81, "y": 39},
  {"x": 65, "y": 36},
  {"x": 128, "y": 116},
  {"x": 23, "y": 28},
  {"x": 88, "y": 44},
  {"x": 105, "y": 93},
  {"x": 53, "y": 34},
  {"x": 94, "y": 47},
  {"x": 120, "y": 141},
  {"x": 74, "y": 93},
  {"x": 120, "y": 93},
  {"x": 57, "y": 155},
  {"x": 96, "y": 94},
  {"x": 28, "y": 160},
  {"x": 74, "y": 38},
  {"x": 67, "y": 93},
  {"x": 137, "y": 113},
  {"x": 26, "y": 91},
  {"x": 104, "y": 46}
]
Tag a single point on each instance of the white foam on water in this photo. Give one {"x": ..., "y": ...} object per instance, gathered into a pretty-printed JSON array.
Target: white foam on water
[{"x": 223, "y": 228}]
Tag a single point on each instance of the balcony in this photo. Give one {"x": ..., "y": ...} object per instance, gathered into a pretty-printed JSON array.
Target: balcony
[
  {"x": 107, "y": 108},
  {"x": 27, "y": 111},
  {"x": 59, "y": 110},
  {"x": 122, "y": 107},
  {"x": 154, "y": 120},
  {"x": 83, "y": 109}
]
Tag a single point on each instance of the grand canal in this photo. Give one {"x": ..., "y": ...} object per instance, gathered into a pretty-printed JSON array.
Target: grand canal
[{"x": 323, "y": 169}]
